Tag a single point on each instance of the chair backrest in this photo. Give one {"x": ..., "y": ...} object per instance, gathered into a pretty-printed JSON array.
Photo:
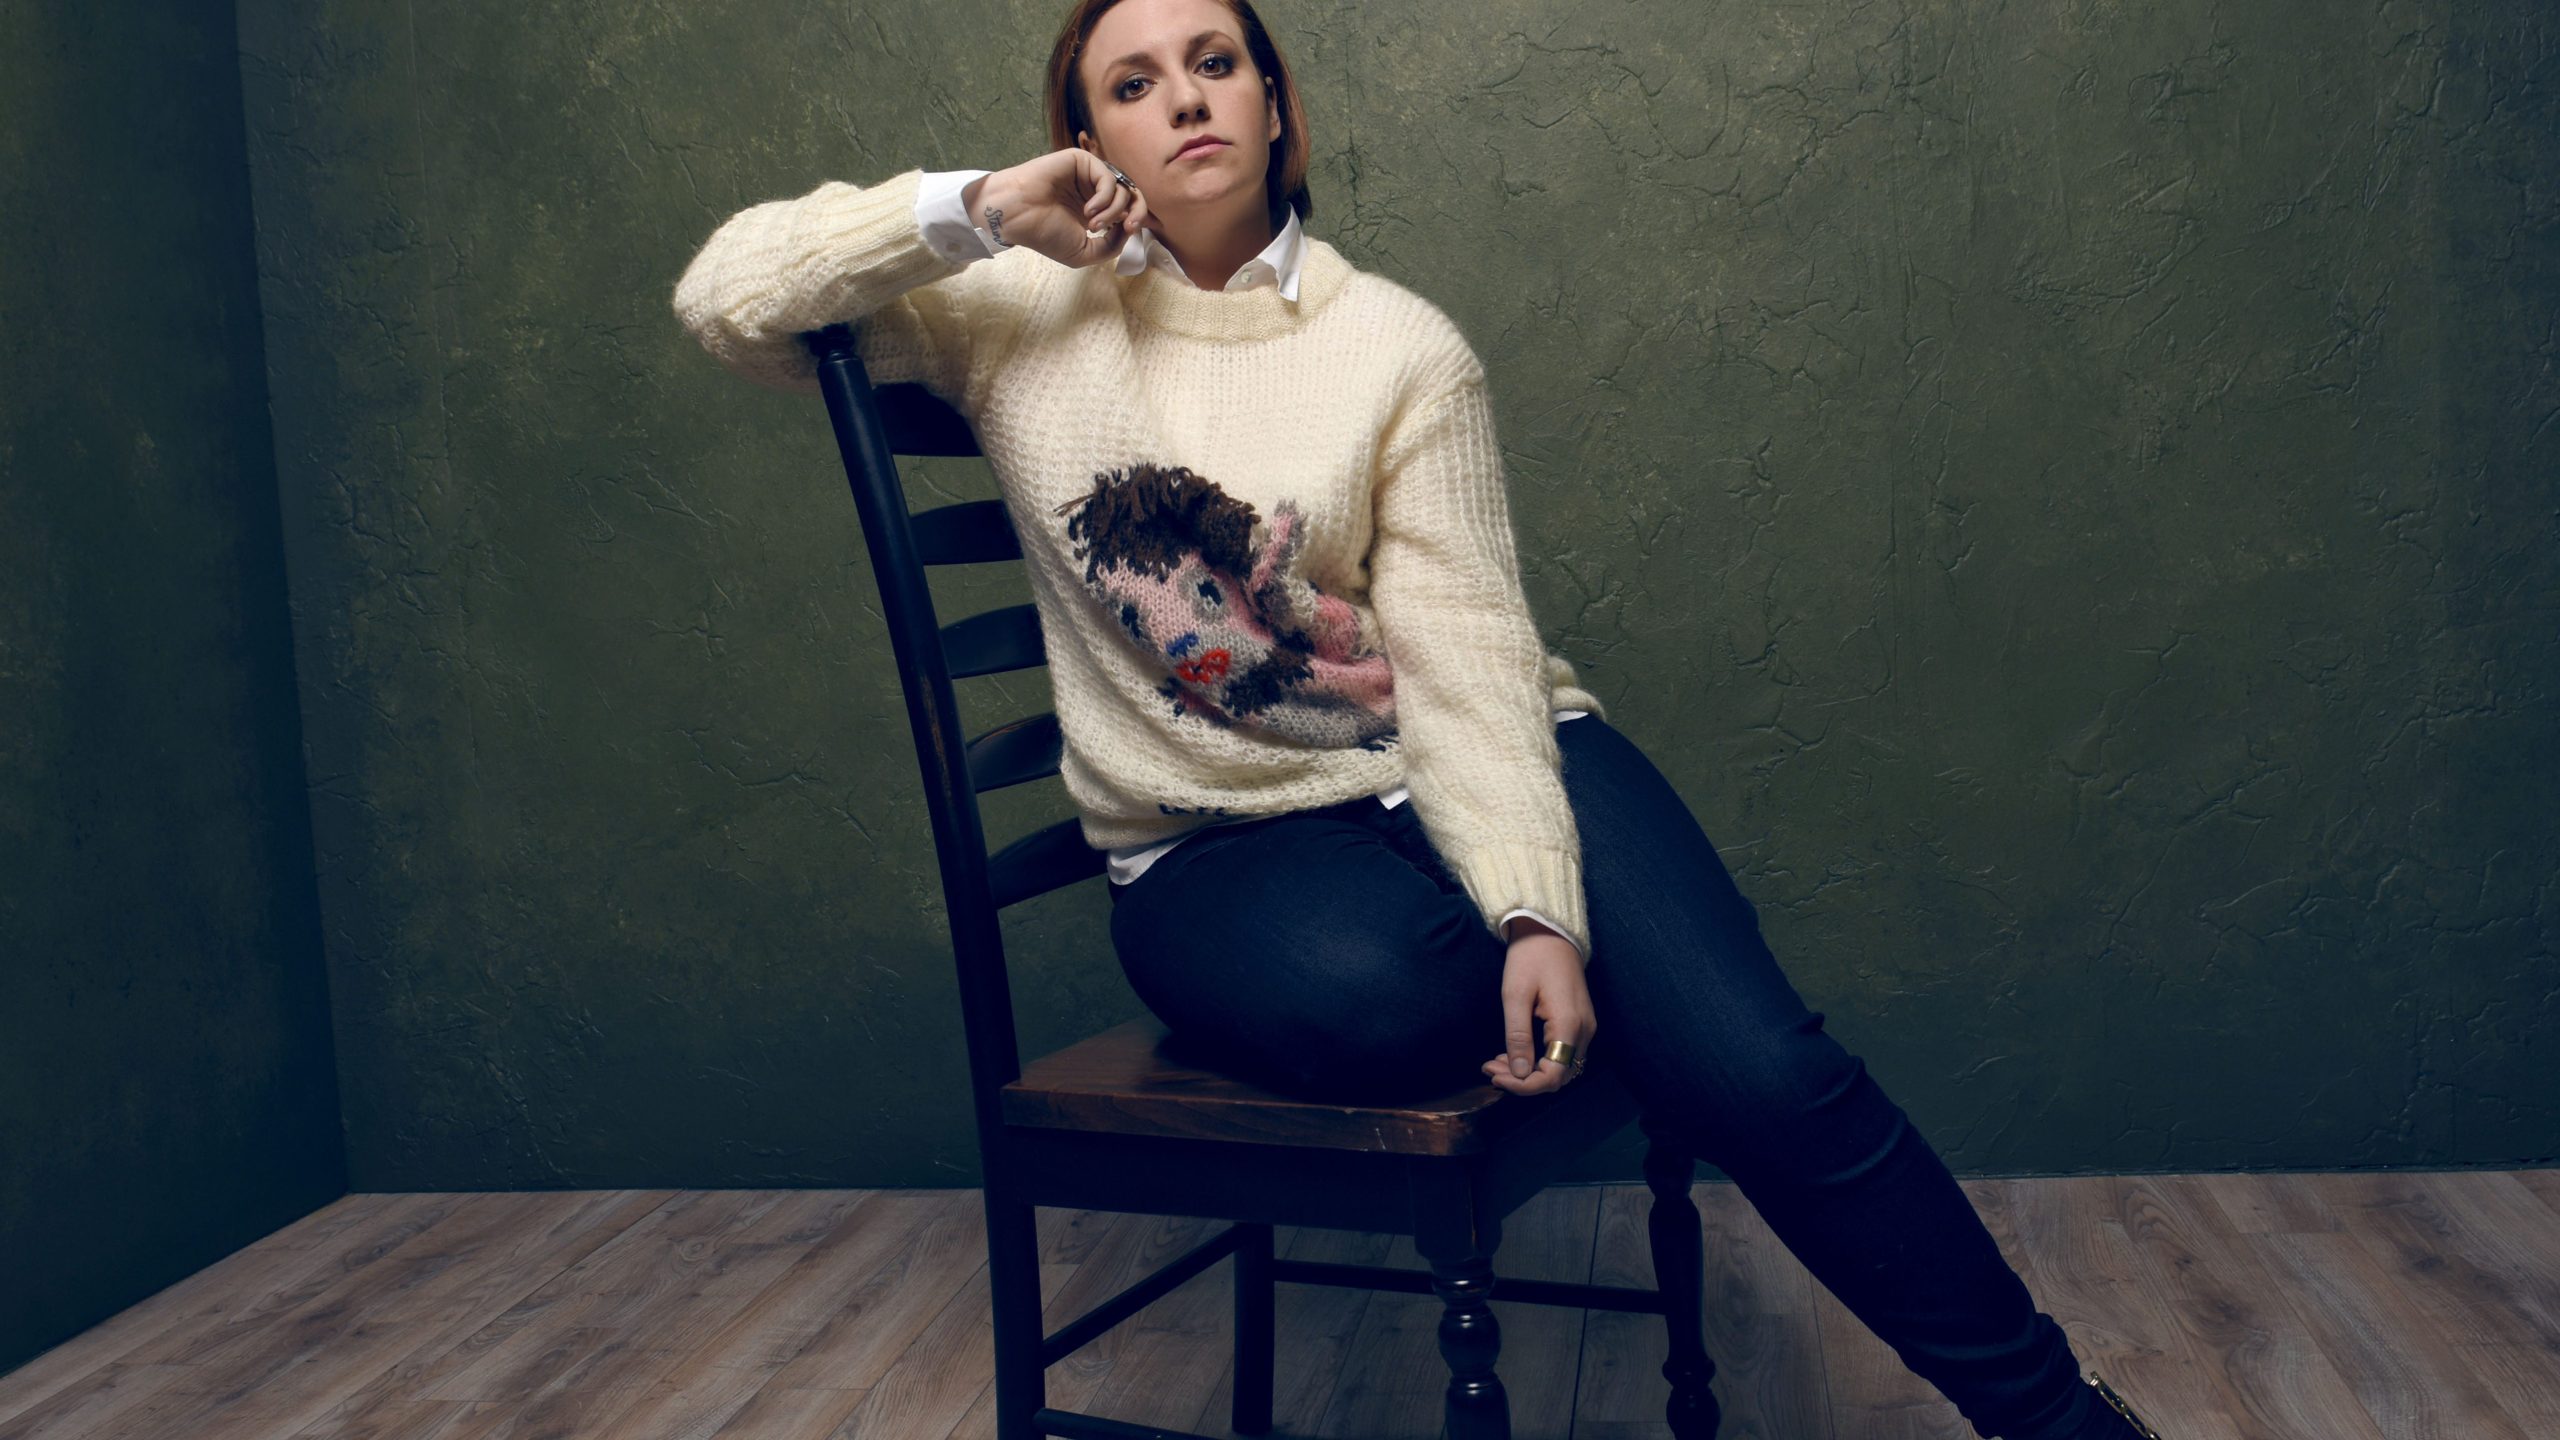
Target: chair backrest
[{"x": 874, "y": 425}]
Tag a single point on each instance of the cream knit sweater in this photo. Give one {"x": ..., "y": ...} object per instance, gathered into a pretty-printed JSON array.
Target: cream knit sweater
[{"x": 1269, "y": 541}]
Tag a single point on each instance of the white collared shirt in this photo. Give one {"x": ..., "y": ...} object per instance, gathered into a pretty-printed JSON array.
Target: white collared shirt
[
  {"x": 958, "y": 239},
  {"x": 955, "y": 237}
]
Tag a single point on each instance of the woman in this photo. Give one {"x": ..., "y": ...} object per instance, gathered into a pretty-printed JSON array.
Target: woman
[{"x": 1362, "y": 824}]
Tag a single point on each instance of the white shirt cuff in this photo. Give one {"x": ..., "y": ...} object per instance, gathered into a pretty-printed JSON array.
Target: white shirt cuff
[
  {"x": 945, "y": 221},
  {"x": 1516, "y": 910}
]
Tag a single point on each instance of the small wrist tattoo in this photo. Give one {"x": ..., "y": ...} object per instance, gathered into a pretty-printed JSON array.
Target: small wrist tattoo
[{"x": 995, "y": 224}]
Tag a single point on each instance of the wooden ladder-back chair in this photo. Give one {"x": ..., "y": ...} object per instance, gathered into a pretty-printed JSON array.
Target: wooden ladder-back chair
[{"x": 1113, "y": 1123}]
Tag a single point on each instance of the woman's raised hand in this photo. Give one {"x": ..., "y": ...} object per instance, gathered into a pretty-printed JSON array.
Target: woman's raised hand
[{"x": 1049, "y": 203}]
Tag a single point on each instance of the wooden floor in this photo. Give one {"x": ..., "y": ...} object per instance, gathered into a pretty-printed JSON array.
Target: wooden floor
[{"x": 2290, "y": 1307}]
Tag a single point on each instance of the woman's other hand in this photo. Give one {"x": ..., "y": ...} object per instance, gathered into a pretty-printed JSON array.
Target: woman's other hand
[
  {"x": 1048, "y": 203},
  {"x": 1541, "y": 976}
]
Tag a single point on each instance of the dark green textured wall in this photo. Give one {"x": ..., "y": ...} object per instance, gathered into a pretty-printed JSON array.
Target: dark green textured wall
[
  {"x": 166, "y": 1089},
  {"x": 2064, "y": 489}
]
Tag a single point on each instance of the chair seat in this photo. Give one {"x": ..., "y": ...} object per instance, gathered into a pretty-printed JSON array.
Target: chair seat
[{"x": 1124, "y": 1080}]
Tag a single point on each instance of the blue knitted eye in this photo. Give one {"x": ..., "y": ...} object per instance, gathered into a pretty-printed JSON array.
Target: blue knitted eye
[{"x": 1209, "y": 590}]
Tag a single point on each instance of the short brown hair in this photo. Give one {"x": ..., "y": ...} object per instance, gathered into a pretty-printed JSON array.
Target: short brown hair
[{"x": 1284, "y": 185}]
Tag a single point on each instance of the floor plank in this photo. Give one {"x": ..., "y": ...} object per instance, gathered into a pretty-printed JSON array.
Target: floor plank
[
  {"x": 2359, "y": 1306},
  {"x": 191, "y": 1304},
  {"x": 2085, "y": 1272},
  {"x": 2543, "y": 1183},
  {"x": 1165, "y": 1361},
  {"x": 1762, "y": 1333},
  {"x": 2238, "y": 1320},
  {"x": 2271, "y": 1204},
  {"x": 2426, "y": 1252},
  {"x": 2409, "y": 1379},
  {"x": 1393, "y": 1382}
]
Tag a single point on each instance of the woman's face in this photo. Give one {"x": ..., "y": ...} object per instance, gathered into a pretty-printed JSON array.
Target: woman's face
[{"x": 1159, "y": 74}]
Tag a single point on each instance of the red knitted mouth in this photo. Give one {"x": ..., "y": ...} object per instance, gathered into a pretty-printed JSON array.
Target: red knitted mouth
[{"x": 1212, "y": 666}]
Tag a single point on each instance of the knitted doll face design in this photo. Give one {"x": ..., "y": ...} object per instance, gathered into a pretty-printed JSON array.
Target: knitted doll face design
[{"x": 1212, "y": 594}]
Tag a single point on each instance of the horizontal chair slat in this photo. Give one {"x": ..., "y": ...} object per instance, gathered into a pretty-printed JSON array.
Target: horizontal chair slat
[
  {"x": 1007, "y": 638},
  {"x": 969, "y": 533},
  {"x": 1015, "y": 752},
  {"x": 1050, "y": 858}
]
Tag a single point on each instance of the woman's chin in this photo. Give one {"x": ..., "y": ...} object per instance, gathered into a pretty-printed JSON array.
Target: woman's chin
[{"x": 1205, "y": 182}]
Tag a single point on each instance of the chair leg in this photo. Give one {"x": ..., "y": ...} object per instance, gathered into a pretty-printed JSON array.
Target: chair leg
[
  {"x": 1478, "y": 1408},
  {"x": 1680, "y": 1273},
  {"x": 1256, "y": 1338},
  {"x": 1013, "y": 1283},
  {"x": 1461, "y": 1255}
]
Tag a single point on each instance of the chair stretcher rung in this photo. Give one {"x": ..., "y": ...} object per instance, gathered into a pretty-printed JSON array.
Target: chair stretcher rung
[
  {"x": 1078, "y": 1426},
  {"x": 1089, "y": 1326},
  {"x": 1569, "y": 1294}
]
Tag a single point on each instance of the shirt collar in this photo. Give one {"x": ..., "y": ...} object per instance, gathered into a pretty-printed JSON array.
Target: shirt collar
[{"x": 1280, "y": 261}]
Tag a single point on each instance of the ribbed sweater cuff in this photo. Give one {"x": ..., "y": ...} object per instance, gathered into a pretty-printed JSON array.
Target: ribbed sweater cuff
[
  {"x": 867, "y": 241},
  {"x": 1501, "y": 875}
]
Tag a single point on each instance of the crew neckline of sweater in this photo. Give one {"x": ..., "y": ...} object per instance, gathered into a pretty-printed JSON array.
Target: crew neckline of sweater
[{"x": 1168, "y": 302}]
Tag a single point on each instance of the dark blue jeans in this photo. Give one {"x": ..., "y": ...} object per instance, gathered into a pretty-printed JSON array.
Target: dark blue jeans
[{"x": 1330, "y": 952}]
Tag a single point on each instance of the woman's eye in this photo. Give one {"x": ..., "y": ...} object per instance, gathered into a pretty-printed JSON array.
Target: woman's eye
[{"x": 1225, "y": 62}]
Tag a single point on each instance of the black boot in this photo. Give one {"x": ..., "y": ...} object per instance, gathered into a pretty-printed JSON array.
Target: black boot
[{"x": 2126, "y": 1424}]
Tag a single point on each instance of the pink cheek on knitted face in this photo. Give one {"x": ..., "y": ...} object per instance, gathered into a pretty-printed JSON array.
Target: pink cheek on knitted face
[
  {"x": 1219, "y": 618},
  {"x": 1184, "y": 627}
]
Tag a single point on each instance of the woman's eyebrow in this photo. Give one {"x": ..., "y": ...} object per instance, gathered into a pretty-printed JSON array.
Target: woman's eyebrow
[{"x": 1139, "y": 57}]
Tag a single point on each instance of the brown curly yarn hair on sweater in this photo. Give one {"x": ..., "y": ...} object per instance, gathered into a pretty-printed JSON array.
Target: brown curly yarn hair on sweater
[{"x": 1149, "y": 518}]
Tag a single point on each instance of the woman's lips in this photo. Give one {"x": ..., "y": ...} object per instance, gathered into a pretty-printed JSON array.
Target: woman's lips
[{"x": 1199, "y": 148}]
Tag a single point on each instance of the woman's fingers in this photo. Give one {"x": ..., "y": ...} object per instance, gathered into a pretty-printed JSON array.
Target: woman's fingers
[
  {"x": 1541, "y": 982},
  {"x": 1550, "y": 1076},
  {"x": 1573, "y": 1025},
  {"x": 1519, "y": 993},
  {"x": 1104, "y": 210},
  {"x": 1107, "y": 192},
  {"x": 1118, "y": 209}
]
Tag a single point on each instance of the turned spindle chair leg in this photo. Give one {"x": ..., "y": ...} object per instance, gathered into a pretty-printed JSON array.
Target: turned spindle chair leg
[
  {"x": 1680, "y": 1273},
  {"x": 1459, "y": 1247}
]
